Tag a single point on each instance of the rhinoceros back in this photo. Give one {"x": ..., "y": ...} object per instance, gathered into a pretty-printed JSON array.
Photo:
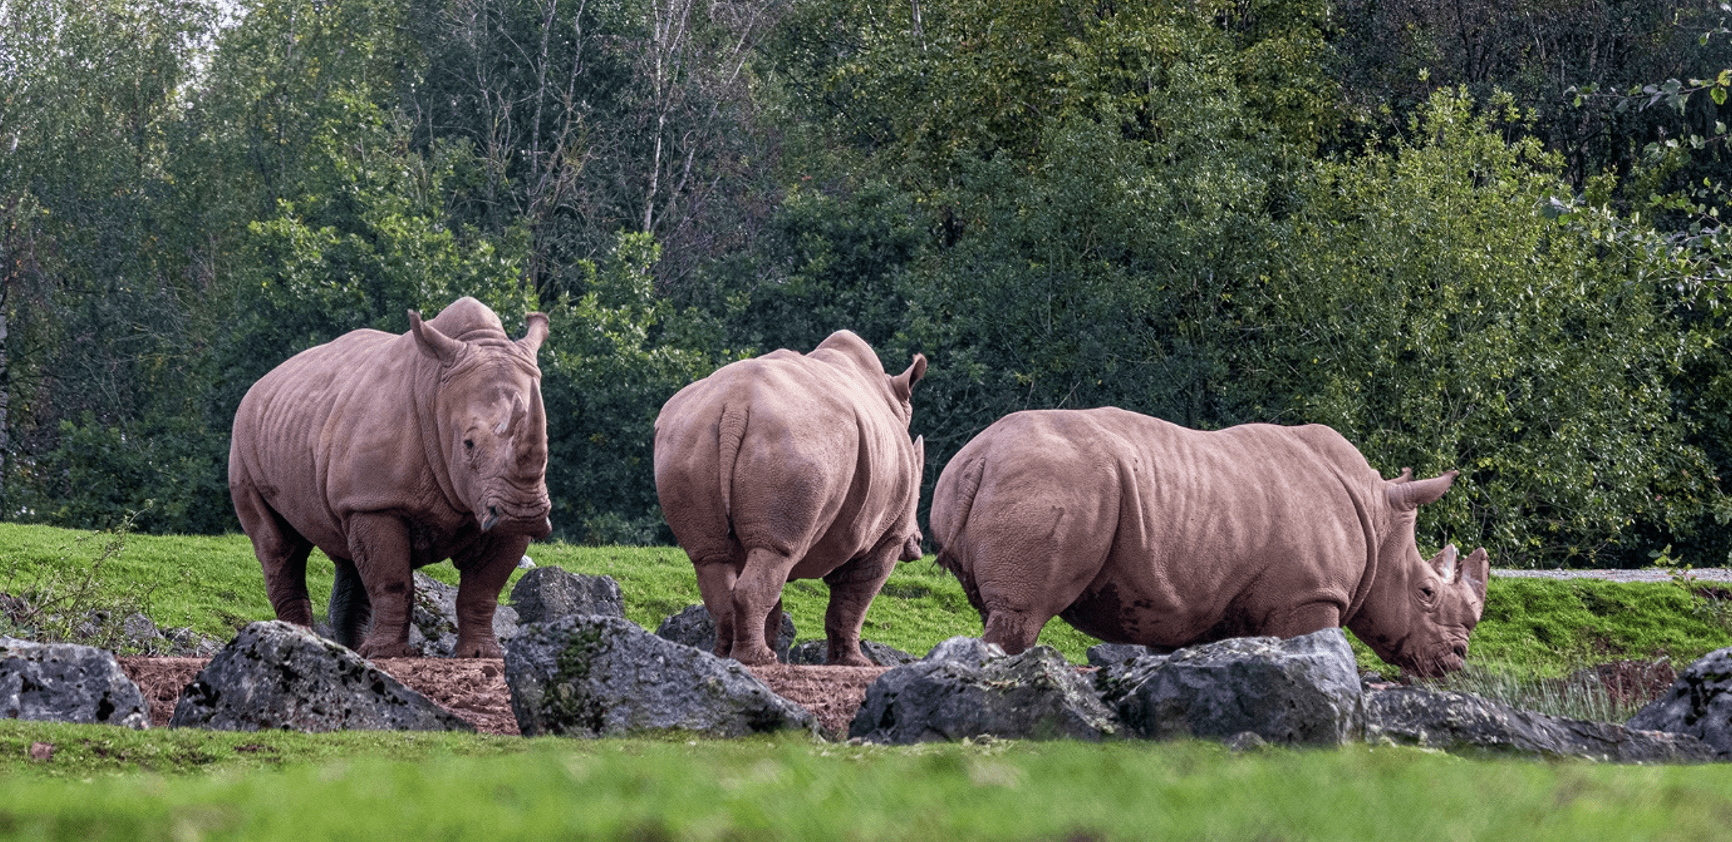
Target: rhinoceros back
[
  {"x": 334, "y": 428},
  {"x": 1166, "y": 532}
]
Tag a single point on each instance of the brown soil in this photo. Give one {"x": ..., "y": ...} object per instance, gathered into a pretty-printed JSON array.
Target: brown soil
[{"x": 474, "y": 688}]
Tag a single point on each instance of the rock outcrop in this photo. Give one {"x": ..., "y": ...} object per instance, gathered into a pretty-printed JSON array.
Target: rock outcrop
[
  {"x": 1464, "y": 724},
  {"x": 960, "y": 691},
  {"x": 1697, "y": 704},
  {"x": 66, "y": 682},
  {"x": 433, "y": 620},
  {"x": 545, "y": 594},
  {"x": 589, "y": 676},
  {"x": 695, "y": 627},
  {"x": 279, "y": 675},
  {"x": 1303, "y": 691},
  {"x": 817, "y": 652}
]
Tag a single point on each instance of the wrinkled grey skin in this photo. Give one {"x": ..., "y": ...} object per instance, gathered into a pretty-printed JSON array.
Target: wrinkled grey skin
[
  {"x": 390, "y": 452},
  {"x": 792, "y": 466},
  {"x": 1135, "y": 530}
]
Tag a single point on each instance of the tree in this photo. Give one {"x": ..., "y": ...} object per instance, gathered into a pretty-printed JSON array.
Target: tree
[
  {"x": 1433, "y": 309},
  {"x": 91, "y": 287}
]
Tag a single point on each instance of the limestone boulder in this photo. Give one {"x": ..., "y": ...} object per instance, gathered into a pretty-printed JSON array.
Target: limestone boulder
[
  {"x": 548, "y": 593},
  {"x": 1698, "y": 704},
  {"x": 66, "y": 682},
  {"x": 695, "y": 627},
  {"x": 1302, "y": 691},
  {"x": 433, "y": 620},
  {"x": 960, "y": 691},
  {"x": 277, "y": 675},
  {"x": 1461, "y": 723},
  {"x": 592, "y": 676}
]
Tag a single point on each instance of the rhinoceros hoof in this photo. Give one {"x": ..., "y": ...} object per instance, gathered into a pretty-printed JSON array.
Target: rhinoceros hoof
[
  {"x": 756, "y": 656},
  {"x": 490, "y": 649},
  {"x": 371, "y": 651}
]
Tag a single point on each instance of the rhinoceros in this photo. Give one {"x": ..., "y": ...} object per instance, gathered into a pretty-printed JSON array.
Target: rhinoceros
[
  {"x": 1136, "y": 530},
  {"x": 390, "y": 452},
  {"x": 791, "y": 466}
]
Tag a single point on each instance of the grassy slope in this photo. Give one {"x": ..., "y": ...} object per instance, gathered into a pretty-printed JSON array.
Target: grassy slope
[{"x": 213, "y": 584}]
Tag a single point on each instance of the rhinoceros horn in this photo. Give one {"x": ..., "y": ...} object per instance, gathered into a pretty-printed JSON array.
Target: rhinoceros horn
[{"x": 1406, "y": 493}]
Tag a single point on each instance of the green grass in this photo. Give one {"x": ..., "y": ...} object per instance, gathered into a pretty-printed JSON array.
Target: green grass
[
  {"x": 214, "y": 585},
  {"x": 1532, "y": 627},
  {"x": 766, "y": 789}
]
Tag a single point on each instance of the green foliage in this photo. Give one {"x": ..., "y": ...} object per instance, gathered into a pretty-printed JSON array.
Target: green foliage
[
  {"x": 614, "y": 356},
  {"x": 1430, "y": 310}
]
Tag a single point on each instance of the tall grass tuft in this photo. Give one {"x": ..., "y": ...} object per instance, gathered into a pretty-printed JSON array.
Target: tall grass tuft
[{"x": 77, "y": 600}]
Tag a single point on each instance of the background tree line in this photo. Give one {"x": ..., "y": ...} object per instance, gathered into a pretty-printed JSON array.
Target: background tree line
[{"x": 1468, "y": 235}]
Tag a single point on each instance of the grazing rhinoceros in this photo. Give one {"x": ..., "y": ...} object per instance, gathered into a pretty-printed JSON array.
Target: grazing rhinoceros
[
  {"x": 389, "y": 452},
  {"x": 1135, "y": 530},
  {"x": 790, "y": 467}
]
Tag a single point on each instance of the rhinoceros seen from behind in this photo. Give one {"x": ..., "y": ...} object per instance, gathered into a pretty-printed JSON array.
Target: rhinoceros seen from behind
[
  {"x": 389, "y": 452},
  {"x": 791, "y": 466},
  {"x": 1136, "y": 530}
]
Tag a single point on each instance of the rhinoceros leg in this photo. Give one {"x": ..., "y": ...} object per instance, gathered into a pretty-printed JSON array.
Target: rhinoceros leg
[
  {"x": 481, "y": 578},
  {"x": 852, "y": 589},
  {"x": 758, "y": 592},
  {"x": 716, "y": 579},
  {"x": 379, "y": 544},
  {"x": 349, "y": 610},
  {"x": 282, "y": 554}
]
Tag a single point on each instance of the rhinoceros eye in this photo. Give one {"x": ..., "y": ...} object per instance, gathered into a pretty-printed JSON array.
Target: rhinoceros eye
[
  {"x": 468, "y": 444},
  {"x": 1428, "y": 592}
]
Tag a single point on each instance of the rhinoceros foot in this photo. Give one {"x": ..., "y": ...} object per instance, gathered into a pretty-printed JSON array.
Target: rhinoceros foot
[
  {"x": 479, "y": 649},
  {"x": 371, "y": 650}
]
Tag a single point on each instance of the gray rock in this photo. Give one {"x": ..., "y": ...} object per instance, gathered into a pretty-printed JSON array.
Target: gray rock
[
  {"x": 1463, "y": 724},
  {"x": 967, "y": 650},
  {"x": 1035, "y": 695},
  {"x": 548, "y": 593},
  {"x": 589, "y": 676},
  {"x": 1300, "y": 691},
  {"x": 1115, "y": 679},
  {"x": 66, "y": 682},
  {"x": 433, "y": 621},
  {"x": 1118, "y": 654},
  {"x": 280, "y": 675},
  {"x": 695, "y": 627},
  {"x": 817, "y": 653},
  {"x": 1697, "y": 704}
]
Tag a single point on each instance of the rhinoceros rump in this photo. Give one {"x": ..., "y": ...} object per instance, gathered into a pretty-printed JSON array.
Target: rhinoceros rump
[
  {"x": 791, "y": 466},
  {"x": 1135, "y": 530},
  {"x": 389, "y": 452}
]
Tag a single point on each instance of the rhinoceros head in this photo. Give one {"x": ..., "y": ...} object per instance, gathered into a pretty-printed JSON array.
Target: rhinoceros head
[
  {"x": 1419, "y": 613},
  {"x": 492, "y": 427}
]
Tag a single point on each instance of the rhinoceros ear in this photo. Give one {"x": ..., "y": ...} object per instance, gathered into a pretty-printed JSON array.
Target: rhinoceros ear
[
  {"x": 433, "y": 343},
  {"x": 1476, "y": 569},
  {"x": 1406, "y": 493},
  {"x": 1444, "y": 563},
  {"x": 903, "y": 384},
  {"x": 535, "y": 334}
]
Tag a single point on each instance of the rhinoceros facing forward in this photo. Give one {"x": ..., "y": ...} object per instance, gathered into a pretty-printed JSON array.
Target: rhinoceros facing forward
[
  {"x": 1135, "y": 530},
  {"x": 389, "y": 452},
  {"x": 792, "y": 466}
]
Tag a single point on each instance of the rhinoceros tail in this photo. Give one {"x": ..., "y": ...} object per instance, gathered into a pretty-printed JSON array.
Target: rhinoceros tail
[
  {"x": 729, "y": 433},
  {"x": 953, "y": 502}
]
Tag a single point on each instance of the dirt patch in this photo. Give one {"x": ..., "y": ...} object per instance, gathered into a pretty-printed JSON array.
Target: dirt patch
[{"x": 475, "y": 689}]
